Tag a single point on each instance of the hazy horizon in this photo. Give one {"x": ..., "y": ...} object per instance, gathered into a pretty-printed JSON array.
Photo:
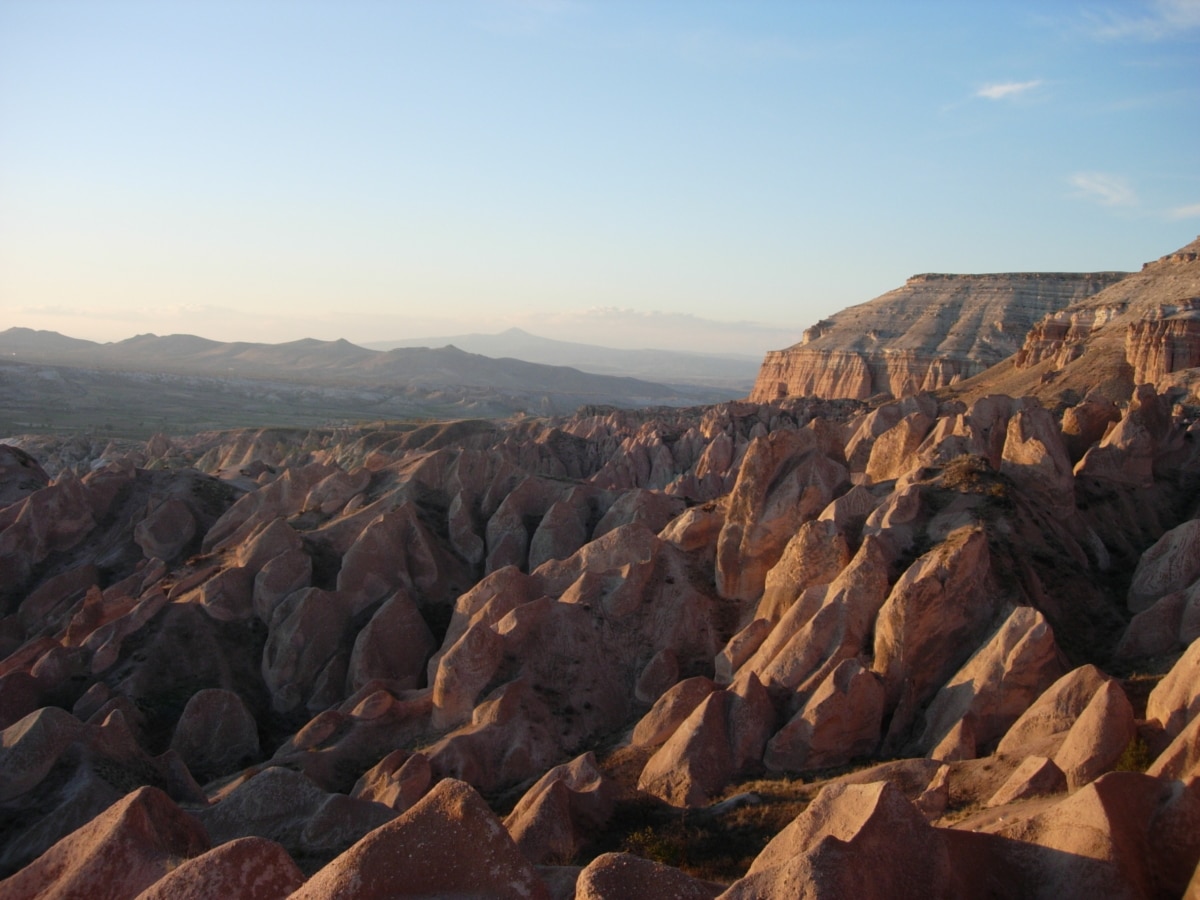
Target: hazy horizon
[{"x": 703, "y": 176}]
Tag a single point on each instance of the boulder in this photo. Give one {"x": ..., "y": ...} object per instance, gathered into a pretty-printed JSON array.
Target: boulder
[
  {"x": 394, "y": 646},
  {"x": 216, "y": 734},
  {"x": 1034, "y": 777},
  {"x": 623, "y": 876}
]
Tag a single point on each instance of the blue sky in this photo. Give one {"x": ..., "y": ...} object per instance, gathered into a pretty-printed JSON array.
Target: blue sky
[{"x": 714, "y": 175}]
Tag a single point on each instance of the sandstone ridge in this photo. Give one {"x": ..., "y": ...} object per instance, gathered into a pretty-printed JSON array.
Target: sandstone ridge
[{"x": 933, "y": 332}]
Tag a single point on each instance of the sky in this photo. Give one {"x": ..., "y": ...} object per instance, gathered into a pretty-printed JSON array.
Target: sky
[{"x": 676, "y": 174}]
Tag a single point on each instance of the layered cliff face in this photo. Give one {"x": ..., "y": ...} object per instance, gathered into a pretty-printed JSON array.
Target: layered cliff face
[
  {"x": 1145, "y": 329},
  {"x": 935, "y": 331}
]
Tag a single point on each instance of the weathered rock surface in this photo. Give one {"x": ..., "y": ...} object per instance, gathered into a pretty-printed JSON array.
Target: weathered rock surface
[
  {"x": 999, "y": 683},
  {"x": 242, "y": 869},
  {"x": 623, "y": 876},
  {"x": 123, "y": 850},
  {"x": 932, "y": 332},
  {"x": 560, "y": 812},
  {"x": 216, "y": 734},
  {"x": 449, "y": 844},
  {"x": 822, "y": 853}
]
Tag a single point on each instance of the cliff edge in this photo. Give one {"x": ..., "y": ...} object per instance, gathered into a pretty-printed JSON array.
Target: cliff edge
[{"x": 936, "y": 330}]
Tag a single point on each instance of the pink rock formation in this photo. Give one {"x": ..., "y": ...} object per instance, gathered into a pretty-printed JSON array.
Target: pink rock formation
[
  {"x": 816, "y": 554},
  {"x": 243, "y": 869},
  {"x": 1098, "y": 737},
  {"x": 623, "y": 876},
  {"x": 724, "y": 735},
  {"x": 930, "y": 333},
  {"x": 822, "y": 852},
  {"x": 398, "y": 780},
  {"x": 167, "y": 530},
  {"x": 784, "y": 481},
  {"x": 996, "y": 685},
  {"x": 671, "y": 710},
  {"x": 1175, "y": 700},
  {"x": 841, "y": 721},
  {"x": 395, "y": 645},
  {"x": 1034, "y": 777},
  {"x": 1043, "y": 727},
  {"x": 449, "y": 844},
  {"x": 20, "y": 475},
  {"x": 925, "y": 630},
  {"x": 1172, "y": 564},
  {"x": 216, "y": 734},
  {"x": 562, "y": 811},
  {"x": 116, "y": 855}
]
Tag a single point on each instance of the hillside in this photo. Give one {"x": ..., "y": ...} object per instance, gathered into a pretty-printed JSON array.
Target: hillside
[
  {"x": 933, "y": 332},
  {"x": 180, "y": 383},
  {"x": 1143, "y": 329},
  {"x": 727, "y": 371}
]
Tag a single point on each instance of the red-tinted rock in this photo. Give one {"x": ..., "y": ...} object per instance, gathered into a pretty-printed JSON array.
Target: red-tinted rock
[
  {"x": 118, "y": 854},
  {"x": 393, "y": 646},
  {"x": 216, "y": 734},
  {"x": 563, "y": 809},
  {"x": 243, "y": 869},
  {"x": 623, "y": 876},
  {"x": 1175, "y": 701},
  {"x": 449, "y": 844}
]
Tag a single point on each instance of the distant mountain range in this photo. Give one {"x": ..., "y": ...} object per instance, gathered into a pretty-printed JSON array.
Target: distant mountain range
[
  {"x": 297, "y": 380},
  {"x": 725, "y": 370}
]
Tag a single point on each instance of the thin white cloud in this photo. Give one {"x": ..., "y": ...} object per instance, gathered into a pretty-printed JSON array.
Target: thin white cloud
[
  {"x": 1103, "y": 188},
  {"x": 1164, "y": 19},
  {"x": 1185, "y": 212},
  {"x": 1005, "y": 89}
]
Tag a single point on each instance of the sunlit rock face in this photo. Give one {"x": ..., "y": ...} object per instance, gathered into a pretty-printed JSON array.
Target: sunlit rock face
[{"x": 933, "y": 332}]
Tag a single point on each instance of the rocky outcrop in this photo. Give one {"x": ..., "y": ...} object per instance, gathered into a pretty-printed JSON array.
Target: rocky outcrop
[
  {"x": 128, "y": 847},
  {"x": 933, "y": 332},
  {"x": 1142, "y": 329},
  {"x": 449, "y": 844}
]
